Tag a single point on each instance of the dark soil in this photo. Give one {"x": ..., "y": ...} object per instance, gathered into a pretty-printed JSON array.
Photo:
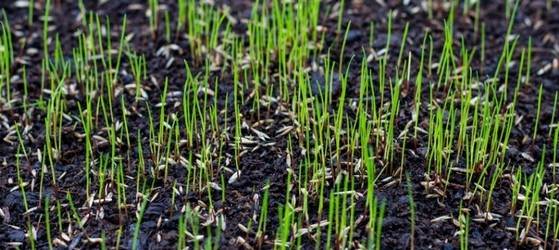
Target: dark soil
[{"x": 268, "y": 163}]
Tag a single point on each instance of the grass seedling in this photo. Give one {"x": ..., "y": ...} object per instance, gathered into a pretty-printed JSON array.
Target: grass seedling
[
  {"x": 553, "y": 110},
  {"x": 556, "y": 230},
  {"x": 343, "y": 48},
  {"x": 331, "y": 212},
  {"x": 182, "y": 14},
  {"x": 141, "y": 168},
  {"x": 139, "y": 216},
  {"x": 46, "y": 31},
  {"x": 537, "y": 114},
  {"x": 120, "y": 184},
  {"x": 403, "y": 44},
  {"x": 83, "y": 13},
  {"x": 482, "y": 56},
  {"x": 30, "y": 8},
  {"x": 339, "y": 117},
  {"x": 340, "y": 16},
  {"x": 47, "y": 223},
  {"x": 7, "y": 58},
  {"x": 21, "y": 185},
  {"x": 153, "y": 16},
  {"x": 167, "y": 27},
  {"x": 371, "y": 34},
  {"x": 139, "y": 71},
  {"x": 412, "y": 209},
  {"x": 551, "y": 220},
  {"x": 529, "y": 61},
  {"x": 388, "y": 39},
  {"x": 554, "y": 161},
  {"x": 464, "y": 222},
  {"x": 75, "y": 214},
  {"x": 430, "y": 9},
  {"x": 430, "y": 64},
  {"x": 285, "y": 212},
  {"x": 32, "y": 235},
  {"x": 516, "y": 185},
  {"x": 112, "y": 68},
  {"x": 496, "y": 175},
  {"x": 530, "y": 202},
  {"x": 181, "y": 241}
]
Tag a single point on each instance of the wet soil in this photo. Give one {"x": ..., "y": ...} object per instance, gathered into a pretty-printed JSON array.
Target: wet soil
[{"x": 160, "y": 220}]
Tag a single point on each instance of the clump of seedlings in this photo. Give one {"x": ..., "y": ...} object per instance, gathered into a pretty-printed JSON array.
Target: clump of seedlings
[{"x": 279, "y": 124}]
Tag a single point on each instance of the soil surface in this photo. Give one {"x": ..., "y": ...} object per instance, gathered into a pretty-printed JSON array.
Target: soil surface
[{"x": 265, "y": 163}]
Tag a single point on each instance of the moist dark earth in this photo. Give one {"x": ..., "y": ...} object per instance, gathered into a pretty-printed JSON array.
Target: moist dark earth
[{"x": 160, "y": 220}]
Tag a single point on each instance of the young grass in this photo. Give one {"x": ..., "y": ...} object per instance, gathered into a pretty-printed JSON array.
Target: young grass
[
  {"x": 412, "y": 209},
  {"x": 464, "y": 222},
  {"x": 45, "y": 31},
  {"x": 554, "y": 163},
  {"x": 537, "y": 120},
  {"x": 153, "y": 16},
  {"x": 335, "y": 141},
  {"x": 530, "y": 205},
  {"x": 260, "y": 233},
  {"x": 551, "y": 220},
  {"x": 7, "y": 58},
  {"x": 167, "y": 27},
  {"x": 286, "y": 217},
  {"x": 139, "y": 215},
  {"x": 340, "y": 15},
  {"x": 47, "y": 223},
  {"x": 21, "y": 185}
]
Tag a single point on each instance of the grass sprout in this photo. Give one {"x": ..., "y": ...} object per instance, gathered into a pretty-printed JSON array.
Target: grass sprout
[{"x": 288, "y": 121}]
